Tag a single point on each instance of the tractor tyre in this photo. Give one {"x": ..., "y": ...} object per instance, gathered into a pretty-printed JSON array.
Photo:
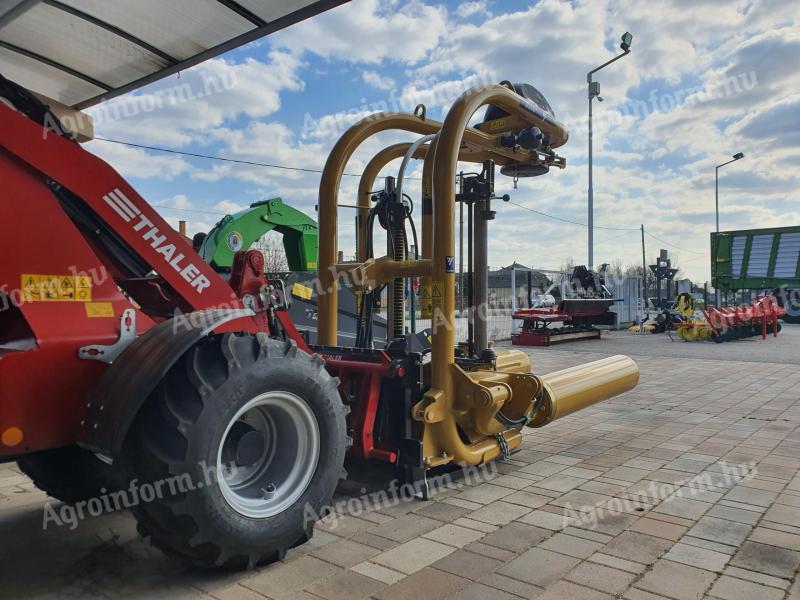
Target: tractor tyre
[
  {"x": 69, "y": 474},
  {"x": 245, "y": 438}
]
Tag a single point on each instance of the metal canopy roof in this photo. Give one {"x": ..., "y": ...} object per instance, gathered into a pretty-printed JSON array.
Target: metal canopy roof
[{"x": 81, "y": 52}]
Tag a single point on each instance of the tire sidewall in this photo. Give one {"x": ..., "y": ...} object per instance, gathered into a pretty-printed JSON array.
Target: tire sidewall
[{"x": 301, "y": 377}]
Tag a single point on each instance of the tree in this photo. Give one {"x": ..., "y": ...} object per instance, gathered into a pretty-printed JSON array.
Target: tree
[{"x": 271, "y": 246}]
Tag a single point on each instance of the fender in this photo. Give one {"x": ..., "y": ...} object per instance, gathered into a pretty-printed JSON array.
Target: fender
[{"x": 129, "y": 381}]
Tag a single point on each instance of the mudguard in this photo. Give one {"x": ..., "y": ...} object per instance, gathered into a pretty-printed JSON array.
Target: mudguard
[{"x": 133, "y": 376}]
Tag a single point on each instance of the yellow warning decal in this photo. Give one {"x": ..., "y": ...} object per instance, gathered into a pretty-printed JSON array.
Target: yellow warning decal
[
  {"x": 497, "y": 124},
  {"x": 302, "y": 291},
  {"x": 427, "y": 306},
  {"x": 437, "y": 299},
  {"x": 312, "y": 264},
  {"x": 56, "y": 288},
  {"x": 99, "y": 309}
]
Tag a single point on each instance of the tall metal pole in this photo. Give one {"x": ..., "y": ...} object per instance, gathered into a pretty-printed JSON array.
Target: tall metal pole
[
  {"x": 644, "y": 272},
  {"x": 461, "y": 287},
  {"x": 737, "y": 156},
  {"x": 591, "y": 187},
  {"x": 594, "y": 92},
  {"x": 714, "y": 258},
  {"x": 481, "y": 275}
]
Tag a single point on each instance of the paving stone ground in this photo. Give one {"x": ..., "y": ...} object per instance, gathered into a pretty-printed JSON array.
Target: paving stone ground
[{"x": 685, "y": 488}]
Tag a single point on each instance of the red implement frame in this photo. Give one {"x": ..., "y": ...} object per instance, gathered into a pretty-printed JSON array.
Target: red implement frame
[{"x": 762, "y": 312}]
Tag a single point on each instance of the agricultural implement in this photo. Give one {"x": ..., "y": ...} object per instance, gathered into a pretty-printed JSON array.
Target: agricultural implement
[
  {"x": 728, "y": 324},
  {"x": 574, "y": 318},
  {"x": 240, "y": 231},
  {"x": 161, "y": 367}
]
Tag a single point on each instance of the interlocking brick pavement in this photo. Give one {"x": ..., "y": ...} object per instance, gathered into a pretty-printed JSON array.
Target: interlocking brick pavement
[{"x": 640, "y": 497}]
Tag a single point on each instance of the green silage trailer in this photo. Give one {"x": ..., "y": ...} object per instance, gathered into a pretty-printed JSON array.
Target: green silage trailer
[{"x": 759, "y": 259}]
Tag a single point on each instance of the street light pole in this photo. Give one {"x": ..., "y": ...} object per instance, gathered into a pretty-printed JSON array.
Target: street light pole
[
  {"x": 737, "y": 156},
  {"x": 591, "y": 186},
  {"x": 594, "y": 92}
]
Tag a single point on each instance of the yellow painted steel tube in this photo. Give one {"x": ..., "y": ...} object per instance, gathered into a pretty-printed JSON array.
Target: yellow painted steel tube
[
  {"x": 444, "y": 176},
  {"x": 573, "y": 389},
  {"x": 327, "y": 300},
  {"x": 427, "y": 201}
]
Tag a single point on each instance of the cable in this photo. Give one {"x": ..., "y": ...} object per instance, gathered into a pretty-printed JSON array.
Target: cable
[
  {"x": 197, "y": 210},
  {"x": 544, "y": 214},
  {"x": 230, "y": 160},
  {"x": 670, "y": 244},
  {"x": 318, "y": 171}
]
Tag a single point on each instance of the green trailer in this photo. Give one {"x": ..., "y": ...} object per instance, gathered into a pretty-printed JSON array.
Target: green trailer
[{"x": 759, "y": 259}]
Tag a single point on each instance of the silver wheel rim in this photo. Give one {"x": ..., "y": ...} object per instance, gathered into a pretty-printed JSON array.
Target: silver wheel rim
[{"x": 268, "y": 454}]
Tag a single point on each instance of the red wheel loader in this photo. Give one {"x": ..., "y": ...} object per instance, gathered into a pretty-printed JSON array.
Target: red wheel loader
[{"x": 126, "y": 360}]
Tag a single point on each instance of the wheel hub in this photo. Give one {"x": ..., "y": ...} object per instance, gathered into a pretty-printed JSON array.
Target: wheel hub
[{"x": 268, "y": 454}]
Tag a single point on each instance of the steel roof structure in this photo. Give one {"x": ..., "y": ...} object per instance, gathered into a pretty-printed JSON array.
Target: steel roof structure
[{"x": 81, "y": 52}]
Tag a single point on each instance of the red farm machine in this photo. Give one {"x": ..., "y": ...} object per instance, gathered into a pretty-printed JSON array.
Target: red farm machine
[
  {"x": 585, "y": 303},
  {"x": 760, "y": 318},
  {"x": 125, "y": 357}
]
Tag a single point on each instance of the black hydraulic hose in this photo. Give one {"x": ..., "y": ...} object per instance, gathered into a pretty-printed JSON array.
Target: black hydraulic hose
[
  {"x": 525, "y": 419},
  {"x": 414, "y": 235}
]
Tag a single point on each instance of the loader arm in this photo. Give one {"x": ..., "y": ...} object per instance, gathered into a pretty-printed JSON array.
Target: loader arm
[
  {"x": 133, "y": 223},
  {"x": 243, "y": 229}
]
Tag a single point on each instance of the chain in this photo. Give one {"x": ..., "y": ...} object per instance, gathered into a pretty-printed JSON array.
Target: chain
[{"x": 501, "y": 440}]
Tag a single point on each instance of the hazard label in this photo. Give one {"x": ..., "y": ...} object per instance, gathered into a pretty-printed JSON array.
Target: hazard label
[
  {"x": 99, "y": 309},
  {"x": 437, "y": 300},
  {"x": 56, "y": 288},
  {"x": 302, "y": 291},
  {"x": 427, "y": 305}
]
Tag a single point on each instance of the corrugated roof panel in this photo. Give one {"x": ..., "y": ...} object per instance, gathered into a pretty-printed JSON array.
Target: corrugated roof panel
[
  {"x": 80, "y": 52},
  {"x": 51, "y": 82},
  {"x": 276, "y": 9},
  {"x": 80, "y": 45},
  {"x": 203, "y": 23}
]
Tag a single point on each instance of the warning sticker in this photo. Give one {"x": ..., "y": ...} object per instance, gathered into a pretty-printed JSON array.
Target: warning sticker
[
  {"x": 437, "y": 300},
  {"x": 99, "y": 309},
  {"x": 497, "y": 124},
  {"x": 56, "y": 288},
  {"x": 302, "y": 291},
  {"x": 427, "y": 305}
]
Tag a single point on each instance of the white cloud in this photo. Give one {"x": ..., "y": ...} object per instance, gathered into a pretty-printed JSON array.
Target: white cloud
[
  {"x": 378, "y": 81},
  {"x": 470, "y": 9},
  {"x": 179, "y": 110},
  {"x": 179, "y": 201},
  {"x": 229, "y": 206},
  {"x": 369, "y": 31},
  {"x": 134, "y": 162}
]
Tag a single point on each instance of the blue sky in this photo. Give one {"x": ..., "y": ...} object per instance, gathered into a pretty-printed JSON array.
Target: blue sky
[{"x": 705, "y": 79}]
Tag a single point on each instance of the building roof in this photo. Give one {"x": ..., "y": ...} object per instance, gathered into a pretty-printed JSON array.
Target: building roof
[{"x": 501, "y": 278}]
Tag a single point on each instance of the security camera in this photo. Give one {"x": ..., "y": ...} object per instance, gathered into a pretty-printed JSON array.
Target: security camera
[{"x": 599, "y": 98}]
